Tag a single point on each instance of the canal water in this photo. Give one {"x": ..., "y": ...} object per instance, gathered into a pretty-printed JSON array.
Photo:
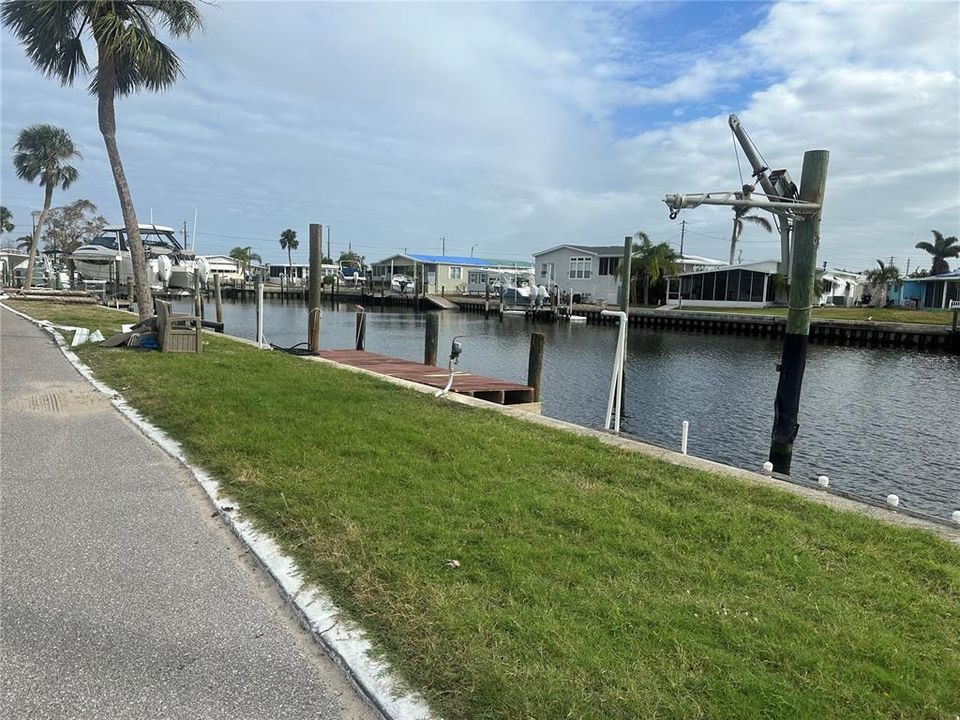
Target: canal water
[{"x": 875, "y": 421}]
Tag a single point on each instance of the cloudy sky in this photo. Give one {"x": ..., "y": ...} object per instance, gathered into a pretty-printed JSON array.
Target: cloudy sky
[{"x": 509, "y": 128}]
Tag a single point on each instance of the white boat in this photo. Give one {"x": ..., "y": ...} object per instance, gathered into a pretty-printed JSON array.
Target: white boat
[
  {"x": 401, "y": 284},
  {"x": 351, "y": 273},
  {"x": 168, "y": 263}
]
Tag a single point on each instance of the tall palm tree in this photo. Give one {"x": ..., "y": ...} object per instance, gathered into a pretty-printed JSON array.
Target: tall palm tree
[
  {"x": 289, "y": 242},
  {"x": 941, "y": 248},
  {"x": 129, "y": 57},
  {"x": 6, "y": 220},
  {"x": 41, "y": 152},
  {"x": 650, "y": 262},
  {"x": 245, "y": 256},
  {"x": 878, "y": 279},
  {"x": 740, "y": 216}
]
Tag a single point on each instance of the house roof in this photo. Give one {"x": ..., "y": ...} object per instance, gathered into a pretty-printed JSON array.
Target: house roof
[
  {"x": 765, "y": 266},
  {"x": 456, "y": 260},
  {"x": 951, "y": 275},
  {"x": 589, "y": 249}
]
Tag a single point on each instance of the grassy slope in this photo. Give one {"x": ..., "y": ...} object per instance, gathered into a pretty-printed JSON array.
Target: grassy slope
[
  {"x": 593, "y": 583},
  {"x": 896, "y": 315}
]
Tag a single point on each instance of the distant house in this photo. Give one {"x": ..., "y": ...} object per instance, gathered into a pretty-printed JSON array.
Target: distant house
[
  {"x": 586, "y": 270},
  {"x": 696, "y": 263},
  {"x": 840, "y": 288},
  {"x": 932, "y": 292},
  {"x": 224, "y": 266},
  {"x": 748, "y": 285},
  {"x": 296, "y": 274},
  {"x": 444, "y": 273}
]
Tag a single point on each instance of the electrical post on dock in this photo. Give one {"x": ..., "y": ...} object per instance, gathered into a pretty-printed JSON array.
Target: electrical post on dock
[{"x": 314, "y": 314}]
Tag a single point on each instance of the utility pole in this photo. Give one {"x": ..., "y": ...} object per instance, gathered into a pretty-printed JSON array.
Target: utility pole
[
  {"x": 443, "y": 246},
  {"x": 891, "y": 260},
  {"x": 806, "y": 240}
]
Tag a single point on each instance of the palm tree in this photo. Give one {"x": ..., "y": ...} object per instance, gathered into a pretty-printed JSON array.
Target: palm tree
[
  {"x": 129, "y": 57},
  {"x": 245, "y": 256},
  {"x": 41, "y": 152},
  {"x": 741, "y": 216},
  {"x": 649, "y": 261},
  {"x": 289, "y": 242},
  {"x": 878, "y": 279},
  {"x": 941, "y": 248},
  {"x": 6, "y": 220}
]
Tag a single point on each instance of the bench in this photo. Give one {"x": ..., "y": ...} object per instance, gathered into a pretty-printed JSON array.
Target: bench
[{"x": 177, "y": 332}]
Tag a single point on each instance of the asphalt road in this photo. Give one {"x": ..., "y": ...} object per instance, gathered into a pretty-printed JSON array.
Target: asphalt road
[{"x": 120, "y": 596}]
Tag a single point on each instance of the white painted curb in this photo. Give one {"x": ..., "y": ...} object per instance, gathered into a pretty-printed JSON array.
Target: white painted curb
[{"x": 344, "y": 641}]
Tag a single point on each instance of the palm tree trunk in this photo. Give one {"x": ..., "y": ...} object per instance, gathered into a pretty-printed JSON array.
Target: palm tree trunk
[
  {"x": 733, "y": 242},
  {"x": 289, "y": 265},
  {"x": 106, "y": 116},
  {"x": 35, "y": 240}
]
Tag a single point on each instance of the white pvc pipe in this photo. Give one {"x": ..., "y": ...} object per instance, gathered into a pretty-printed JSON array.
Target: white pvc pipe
[
  {"x": 684, "y": 432},
  {"x": 260, "y": 315},
  {"x": 616, "y": 384}
]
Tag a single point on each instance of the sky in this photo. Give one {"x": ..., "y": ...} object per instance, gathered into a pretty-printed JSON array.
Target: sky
[{"x": 511, "y": 128}]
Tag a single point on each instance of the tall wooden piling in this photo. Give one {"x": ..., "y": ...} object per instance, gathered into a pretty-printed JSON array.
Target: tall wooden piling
[
  {"x": 316, "y": 260},
  {"x": 806, "y": 240},
  {"x": 535, "y": 363},
  {"x": 361, "y": 334},
  {"x": 217, "y": 297},
  {"x": 197, "y": 306},
  {"x": 431, "y": 339}
]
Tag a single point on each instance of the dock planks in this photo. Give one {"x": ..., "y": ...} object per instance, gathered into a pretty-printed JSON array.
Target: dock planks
[{"x": 478, "y": 386}]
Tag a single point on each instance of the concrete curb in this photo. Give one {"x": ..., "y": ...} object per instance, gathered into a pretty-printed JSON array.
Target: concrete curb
[{"x": 344, "y": 641}]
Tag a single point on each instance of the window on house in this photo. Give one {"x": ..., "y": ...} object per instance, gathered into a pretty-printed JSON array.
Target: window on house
[
  {"x": 456, "y": 272},
  {"x": 581, "y": 268},
  {"x": 608, "y": 265}
]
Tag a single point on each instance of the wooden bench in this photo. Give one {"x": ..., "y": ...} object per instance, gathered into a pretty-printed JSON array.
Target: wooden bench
[{"x": 178, "y": 332}]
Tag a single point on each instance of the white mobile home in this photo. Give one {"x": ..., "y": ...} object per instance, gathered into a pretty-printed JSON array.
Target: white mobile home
[
  {"x": 743, "y": 286},
  {"x": 588, "y": 271}
]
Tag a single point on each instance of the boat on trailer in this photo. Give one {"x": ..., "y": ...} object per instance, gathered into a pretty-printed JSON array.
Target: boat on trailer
[{"x": 169, "y": 264}]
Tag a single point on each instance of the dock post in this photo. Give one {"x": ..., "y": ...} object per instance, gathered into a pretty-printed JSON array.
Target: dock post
[
  {"x": 431, "y": 339},
  {"x": 806, "y": 240},
  {"x": 486, "y": 300},
  {"x": 314, "y": 313},
  {"x": 217, "y": 297},
  {"x": 361, "y": 328},
  {"x": 197, "y": 303},
  {"x": 535, "y": 363}
]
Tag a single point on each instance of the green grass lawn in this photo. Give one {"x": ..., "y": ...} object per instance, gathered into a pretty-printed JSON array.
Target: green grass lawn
[
  {"x": 593, "y": 583},
  {"x": 896, "y": 315}
]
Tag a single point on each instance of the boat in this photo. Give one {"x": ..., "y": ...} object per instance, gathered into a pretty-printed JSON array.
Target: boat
[
  {"x": 351, "y": 273},
  {"x": 401, "y": 284},
  {"x": 168, "y": 263}
]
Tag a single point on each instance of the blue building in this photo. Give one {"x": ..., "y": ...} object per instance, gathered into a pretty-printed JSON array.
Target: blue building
[{"x": 933, "y": 292}]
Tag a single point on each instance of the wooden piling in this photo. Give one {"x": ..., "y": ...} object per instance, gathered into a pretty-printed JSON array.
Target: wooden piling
[
  {"x": 431, "y": 338},
  {"x": 197, "y": 303},
  {"x": 217, "y": 297},
  {"x": 361, "y": 329},
  {"x": 806, "y": 239},
  {"x": 316, "y": 260},
  {"x": 535, "y": 363}
]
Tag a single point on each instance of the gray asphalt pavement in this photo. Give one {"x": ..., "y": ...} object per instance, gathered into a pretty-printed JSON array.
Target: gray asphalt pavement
[{"x": 120, "y": 596}]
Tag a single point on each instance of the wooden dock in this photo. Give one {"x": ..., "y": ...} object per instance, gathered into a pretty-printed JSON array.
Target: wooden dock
[{"x": 492, "y": 390}]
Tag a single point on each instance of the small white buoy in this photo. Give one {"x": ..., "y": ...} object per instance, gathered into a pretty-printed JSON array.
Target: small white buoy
[
  {"x": 768, "y": 467},
  {"x": 823, "y": 481},
  {"x": 956, "y": 516},
  {"x": 893, "y": 500}
]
